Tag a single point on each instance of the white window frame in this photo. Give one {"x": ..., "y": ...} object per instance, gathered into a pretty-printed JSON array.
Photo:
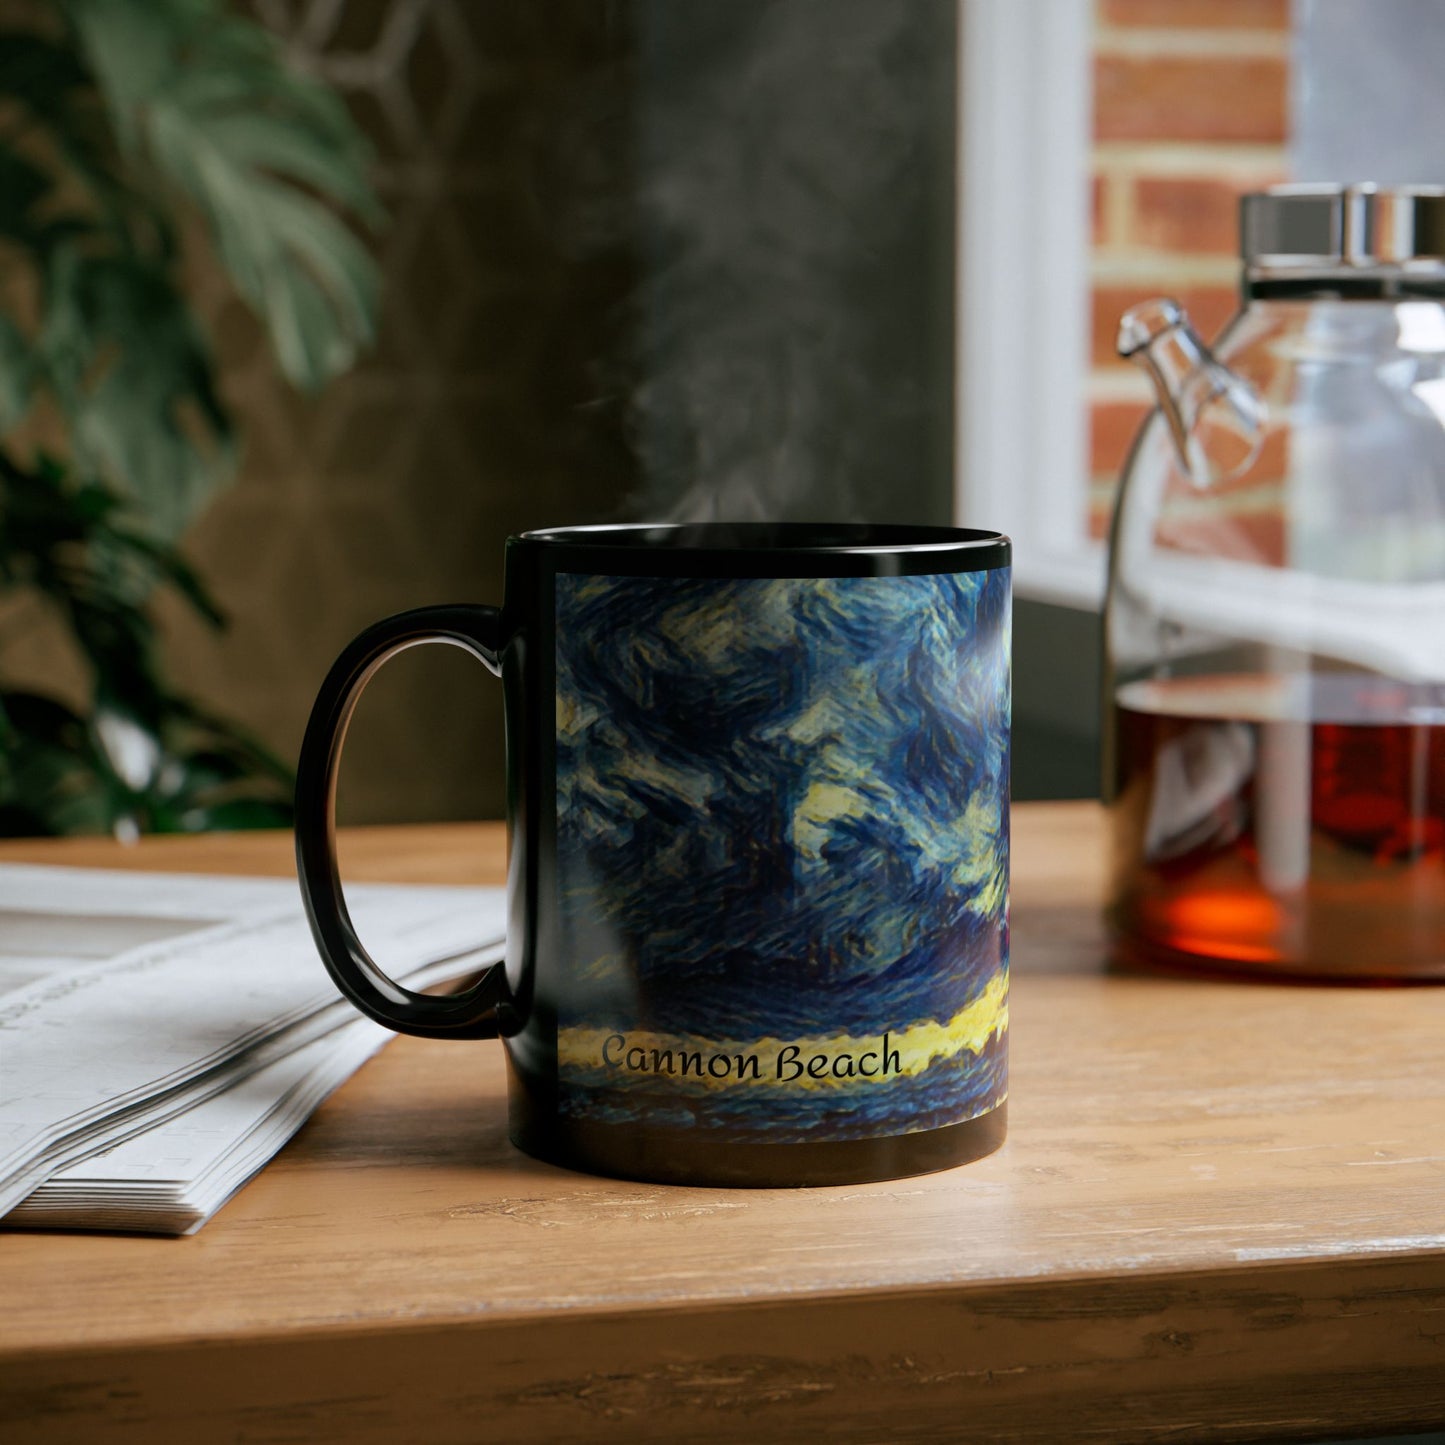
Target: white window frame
[{"x": 1021, "y": 443}]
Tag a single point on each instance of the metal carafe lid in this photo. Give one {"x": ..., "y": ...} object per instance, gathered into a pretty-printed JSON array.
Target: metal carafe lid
[{"x": 1328, "y": 227}]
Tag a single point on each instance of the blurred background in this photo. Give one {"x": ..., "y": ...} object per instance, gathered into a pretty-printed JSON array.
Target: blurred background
[{"x": 629, "y": 258}]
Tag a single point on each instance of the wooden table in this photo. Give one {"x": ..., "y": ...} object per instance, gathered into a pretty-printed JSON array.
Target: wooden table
[{"x": 1220, "y": 1213}]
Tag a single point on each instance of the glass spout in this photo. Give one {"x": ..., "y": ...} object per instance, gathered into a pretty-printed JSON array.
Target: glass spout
[{"x": 1215, "y": 418}]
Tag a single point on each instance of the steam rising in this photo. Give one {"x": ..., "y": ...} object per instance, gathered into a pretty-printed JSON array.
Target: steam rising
[{"x": 789, "y": 327}]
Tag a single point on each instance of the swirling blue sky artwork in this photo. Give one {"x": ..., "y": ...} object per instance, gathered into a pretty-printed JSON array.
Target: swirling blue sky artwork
[{"x": 782, "y": 842}]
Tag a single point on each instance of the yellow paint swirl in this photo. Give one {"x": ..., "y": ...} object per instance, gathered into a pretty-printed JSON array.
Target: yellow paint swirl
[{"x": 917, "y": 1047}]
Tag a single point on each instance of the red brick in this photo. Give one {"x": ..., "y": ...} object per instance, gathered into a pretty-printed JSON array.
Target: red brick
[
  {"x": 1244, "y": 536},
  {"x": 1209, "y": 307},
  {"x": 1098, "y": 220},
  {"x": 1197, "y": 14},
  {"x": 1112, "y": 428},
  {"x": 1267, "y": 470},
  {"x": 1272, "y": 464},
  {"x": 1188, "y": 213},
  {"x": 1196, "y": 98}
]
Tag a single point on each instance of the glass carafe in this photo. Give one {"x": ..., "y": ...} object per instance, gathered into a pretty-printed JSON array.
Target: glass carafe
[{"x": 1275, "y": 624}]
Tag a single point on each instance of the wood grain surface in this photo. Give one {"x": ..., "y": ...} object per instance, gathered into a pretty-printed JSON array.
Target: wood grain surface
[{"x": 1220, "y": 1214}]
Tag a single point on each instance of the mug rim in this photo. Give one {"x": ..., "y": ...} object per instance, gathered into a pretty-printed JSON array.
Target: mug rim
[
  {"x": 776, "y": 541},
  {"x": 768, "y": 536}
]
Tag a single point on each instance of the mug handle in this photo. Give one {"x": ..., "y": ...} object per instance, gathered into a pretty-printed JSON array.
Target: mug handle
[{"x": 471, "y": 1014}]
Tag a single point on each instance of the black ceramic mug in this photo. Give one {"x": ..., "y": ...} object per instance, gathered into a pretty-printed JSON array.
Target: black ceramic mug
[{"x": 758, "y": 880}]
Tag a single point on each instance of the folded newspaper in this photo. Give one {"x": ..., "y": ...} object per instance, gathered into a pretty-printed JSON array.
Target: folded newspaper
[{"x": 161, "y": 1036}]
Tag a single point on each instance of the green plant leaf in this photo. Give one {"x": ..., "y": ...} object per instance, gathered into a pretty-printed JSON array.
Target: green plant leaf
[
  {"x": 38, "y": 72},
  {"x": 17, "y": 369},
  {"x": 241, "y": 746},
  {"x": 74, "y": 546},
  {"x": 112, "y": 117},
  {"x": 263, "y": 151},
  {"x": 49, "y": 781},
  {"x": 54, "y": 96},
  {"x": 22, "y": 186},
  {"x": 134, "y": 378},
  {"x": 169, "y": 566},
  {"x": 59, "y": 774}
]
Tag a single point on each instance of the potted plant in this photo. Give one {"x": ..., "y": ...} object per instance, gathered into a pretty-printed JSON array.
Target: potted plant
[{"x": 130, "y": 129}]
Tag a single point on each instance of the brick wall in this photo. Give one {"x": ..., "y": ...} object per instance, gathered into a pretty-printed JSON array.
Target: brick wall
[{"x": 1190, "y": 110}]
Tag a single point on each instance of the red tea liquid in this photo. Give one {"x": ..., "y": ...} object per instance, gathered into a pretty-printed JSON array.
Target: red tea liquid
[{"x": 1283, "y": 825}]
